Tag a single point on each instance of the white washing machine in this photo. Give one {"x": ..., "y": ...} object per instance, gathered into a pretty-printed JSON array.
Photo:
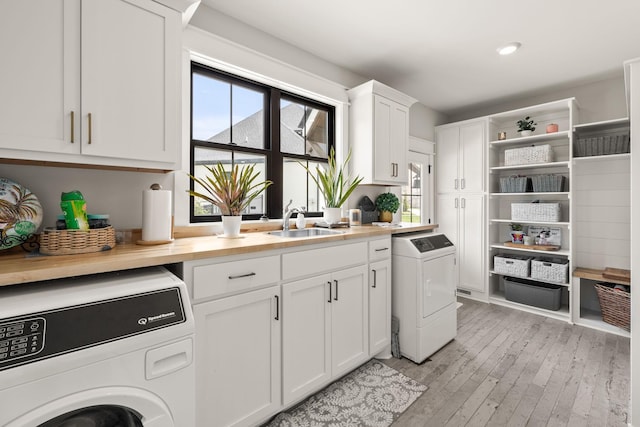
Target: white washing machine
[
  {"x": 424, "y": 293},
  {"x": 105, "y": 350}
]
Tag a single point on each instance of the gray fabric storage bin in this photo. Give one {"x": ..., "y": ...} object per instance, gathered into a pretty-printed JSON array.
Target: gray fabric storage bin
[{"x": 541, "y": 295}]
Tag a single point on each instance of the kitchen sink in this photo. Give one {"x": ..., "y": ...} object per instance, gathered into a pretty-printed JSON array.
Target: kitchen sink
[{"x": 304, "y": 232}]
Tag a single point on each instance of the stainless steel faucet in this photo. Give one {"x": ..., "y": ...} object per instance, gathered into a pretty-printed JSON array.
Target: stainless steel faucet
[{"x": 286, "y": 215}]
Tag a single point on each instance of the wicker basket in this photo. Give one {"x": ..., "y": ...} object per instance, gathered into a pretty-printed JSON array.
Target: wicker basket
[
  {"x": 69, "y": 242},
  {"x": 615, "y": 306},
  {"x": 513, "y": 265},
  {"x": 549, "y": 212},
  {"x": 515, "y": 184},
  {"x": 528, "y": 155},
  {"x": 547, "y": 183}
]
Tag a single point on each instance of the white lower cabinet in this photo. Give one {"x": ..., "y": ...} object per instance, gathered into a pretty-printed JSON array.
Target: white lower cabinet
[
  {"x": 379, "y": 306},
  {"x": 238, "y": 358},
  {"x": 325, "y": 329}
]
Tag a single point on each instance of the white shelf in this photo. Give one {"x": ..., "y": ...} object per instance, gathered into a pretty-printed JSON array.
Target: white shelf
[
  {"x": 602, "y": 125},
  {"x": 531, "y": 193},
  {"x": 560, "y": 106},
  {"x": 566, "y": 285},
  {"x": 509, "y": 221},
  {"x": 593, "y": 319},
  {"x": 511, "y": 142},
  {"x": 561, "y": 252},
  {"x": 562, "y": 314},
  {"x": 623, "y": 156},
  {"x": 531, "y": 166}
]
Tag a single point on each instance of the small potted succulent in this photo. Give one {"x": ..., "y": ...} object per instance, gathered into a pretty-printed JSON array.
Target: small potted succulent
[
  {"x": 387, "y": 204},
  {"x": 526, "y": 126},
  {"x": 517, "y": 233}
]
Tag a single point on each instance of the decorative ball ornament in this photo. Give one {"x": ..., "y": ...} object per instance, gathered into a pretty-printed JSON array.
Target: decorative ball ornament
[{"x": 20, "y": 214}]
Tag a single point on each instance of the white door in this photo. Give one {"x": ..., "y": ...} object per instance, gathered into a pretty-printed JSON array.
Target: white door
[
  {"x": 418, "y": 195},
  {"x": 379, "y": 306},
  {"x": 238, "y": 358},
  {"x": 306, "y": 334},
  {"x": 472, "y": 158},
  {"x": 382, "y": 133},
  {"x": 438, "y": 287},
  {"x": 471, "y": 242},
  {"x": 349, "y": 319},
  {"x": 130, "y": 66},
  {"x": 40, "y": 85},
  {"x": 447, "y": 151}
]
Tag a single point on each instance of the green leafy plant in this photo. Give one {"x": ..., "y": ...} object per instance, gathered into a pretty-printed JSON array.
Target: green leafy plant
[
  {"x": 515, "y": 226},
  {"x": 334, "y": 182},
  {"x": 387, "y": 202},
  {"x": 526, "y": 124},
  {"x": 231, "y": 191}
]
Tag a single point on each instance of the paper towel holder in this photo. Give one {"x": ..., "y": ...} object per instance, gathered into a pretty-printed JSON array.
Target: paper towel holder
[{"x": 156, "y": 186}]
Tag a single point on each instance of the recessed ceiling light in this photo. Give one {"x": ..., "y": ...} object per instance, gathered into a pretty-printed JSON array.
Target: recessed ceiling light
[{"x": 509, "y": 48}]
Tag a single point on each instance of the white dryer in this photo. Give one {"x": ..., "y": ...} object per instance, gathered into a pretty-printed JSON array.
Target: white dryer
[
  {"x": 424, "y": 293},
  {"x": 104, "y": 350}
]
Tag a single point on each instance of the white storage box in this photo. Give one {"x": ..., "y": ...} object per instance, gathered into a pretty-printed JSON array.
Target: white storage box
[
  {"x": 513, "y": 265},
  {"x": 549, "y": 212},
  {"x": 554, "y": 270},
  {"x": 528, "y": 155}
]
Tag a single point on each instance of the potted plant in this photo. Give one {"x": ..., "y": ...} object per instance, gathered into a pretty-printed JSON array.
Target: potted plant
[
  {"x": 517, "y": 233},
  {"x": 231, "y": 192},
  {"x": 387, "y": 204},
  {"x": 526, "y": 126},
  {"x": 335, "y": 184}
]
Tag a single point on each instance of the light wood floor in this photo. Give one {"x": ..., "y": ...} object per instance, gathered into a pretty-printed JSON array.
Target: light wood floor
[{"x": 511, "y": 368}]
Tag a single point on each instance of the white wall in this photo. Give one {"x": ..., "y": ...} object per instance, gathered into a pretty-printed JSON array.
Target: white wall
[{"x": 600, "y": 100}]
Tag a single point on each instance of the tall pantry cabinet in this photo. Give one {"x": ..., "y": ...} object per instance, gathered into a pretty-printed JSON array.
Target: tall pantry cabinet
[{"x": 460, "y": 199}]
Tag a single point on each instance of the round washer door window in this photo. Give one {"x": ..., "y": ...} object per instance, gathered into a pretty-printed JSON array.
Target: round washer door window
[{"x": 96, "y": 416}]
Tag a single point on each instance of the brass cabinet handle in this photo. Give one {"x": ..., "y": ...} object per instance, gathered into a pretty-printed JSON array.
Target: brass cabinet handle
[
  {"x": 90, "y": 131},
  {"x": 73, "y": 126}
]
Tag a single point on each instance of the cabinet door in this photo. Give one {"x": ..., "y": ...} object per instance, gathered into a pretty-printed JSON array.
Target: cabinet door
[
  {"x": 379, "y": 306},
  {"x": 390, "y": 145},
  {"x": 447, "y": 151},
  {"x": 238, "y": 358},
  {"x": 471, "y": 243},
  {"x": 472, "y": 155},
  {"x": 447, "y": 215},
  {"x": 306, "y": 334},
  {"x": 40, "y": 45},
  {"x": 349, "y": 320},
  {"x": 130, "y": 79}
]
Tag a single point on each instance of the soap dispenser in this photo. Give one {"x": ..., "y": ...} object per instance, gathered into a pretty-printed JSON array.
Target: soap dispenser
[{"x": 300, "y": 221}]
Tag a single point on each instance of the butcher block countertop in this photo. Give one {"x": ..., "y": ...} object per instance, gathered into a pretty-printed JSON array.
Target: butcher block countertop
[{"x": 17, "y": 267}]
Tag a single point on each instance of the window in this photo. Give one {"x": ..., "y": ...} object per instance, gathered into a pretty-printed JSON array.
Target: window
[
  {"x": 237, "y": 121},
  {"x": 415, "y": 202}
]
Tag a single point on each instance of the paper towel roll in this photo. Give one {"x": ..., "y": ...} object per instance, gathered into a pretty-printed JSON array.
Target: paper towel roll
[{"x": 156, "y": 216}]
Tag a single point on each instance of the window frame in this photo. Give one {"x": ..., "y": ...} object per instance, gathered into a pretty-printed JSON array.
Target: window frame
[{"x": 274, "y": 158}]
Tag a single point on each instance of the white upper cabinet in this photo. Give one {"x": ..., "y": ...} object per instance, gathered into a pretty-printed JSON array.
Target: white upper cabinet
[
  {"x": 460, "y": 157},
  {"x": 93, "y": 82},
  {"x": 379, "y": 133}
]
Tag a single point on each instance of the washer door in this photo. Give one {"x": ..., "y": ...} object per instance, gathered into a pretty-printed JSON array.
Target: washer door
[
  {"x": 96, "y": 416},
  {"x": 100, "y": 407}
]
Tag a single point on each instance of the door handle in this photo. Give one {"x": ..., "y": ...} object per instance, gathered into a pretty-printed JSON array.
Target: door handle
[
  {"x": 456, "y": 203},
  {"x": 90, "y": 127},
  {"x": 455, "y": 184},
  {"x": 462, "y": 184},
  {"x": 240, "y": 276},
  {"x": 335, "y": 298},
  {"x": 462, "y": 203},
  {"x": 381, "y": 249},
  {"x": 329, "y": 301},
  {"x": 73, "y": 126},
  {"x": 277, "y": 307},
  {"x": 375, "y": 278}
]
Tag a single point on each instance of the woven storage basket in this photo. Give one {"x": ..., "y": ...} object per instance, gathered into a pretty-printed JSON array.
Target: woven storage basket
[
  {"x": 515, "y": 184},
  {"x": 528, "y": 155},
  {"x": 549, "y": 212},
  {"x": 547, "y": 183},
  {"x": 69, "y": 242},
  {"x": 602, "y": 145},
  {"x": 513, "y": 265},
  {"x": 615, "y": 306},
  {"x": 550, "y": 269}
]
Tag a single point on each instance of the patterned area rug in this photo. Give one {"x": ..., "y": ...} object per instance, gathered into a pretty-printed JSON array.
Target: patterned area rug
[{"x": 373, "y": 395}]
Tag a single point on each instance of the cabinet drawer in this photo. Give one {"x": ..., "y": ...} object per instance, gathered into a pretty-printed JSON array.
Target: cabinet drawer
[
  {"x": 215, "y": 280},
  {"x": 315, "y": 261},
  {"x": 380, "y": 249}
]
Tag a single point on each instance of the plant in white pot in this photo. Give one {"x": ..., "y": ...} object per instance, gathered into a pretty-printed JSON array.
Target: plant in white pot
[
  {"x": 335, "y": 184},
  {"x": 526, "y": 126},
  {"x": 231, "y": 192}
]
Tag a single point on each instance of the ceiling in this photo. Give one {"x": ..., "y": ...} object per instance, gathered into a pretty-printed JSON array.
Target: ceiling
[{"x": 444, "y": 52}]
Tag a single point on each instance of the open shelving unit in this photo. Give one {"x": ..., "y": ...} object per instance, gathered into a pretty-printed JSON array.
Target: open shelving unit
[{"x": 564, "y": 113}]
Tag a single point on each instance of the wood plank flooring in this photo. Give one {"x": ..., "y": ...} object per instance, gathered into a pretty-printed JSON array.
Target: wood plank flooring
[{"x": 511, "y": 368}]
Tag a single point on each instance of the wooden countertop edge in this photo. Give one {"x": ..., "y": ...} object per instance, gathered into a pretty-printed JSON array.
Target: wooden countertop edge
[
  {"x": 17, "y": 268},
  {"x": 594, "y": 274}
]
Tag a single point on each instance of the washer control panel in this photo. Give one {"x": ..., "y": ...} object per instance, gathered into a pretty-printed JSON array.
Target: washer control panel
[{"x": 22, "y": 338}]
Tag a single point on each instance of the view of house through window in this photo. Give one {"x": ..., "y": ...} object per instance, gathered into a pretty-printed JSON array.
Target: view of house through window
[
  {"x": 415, "y": 196},
  {"x": 236, "y": 121}
]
